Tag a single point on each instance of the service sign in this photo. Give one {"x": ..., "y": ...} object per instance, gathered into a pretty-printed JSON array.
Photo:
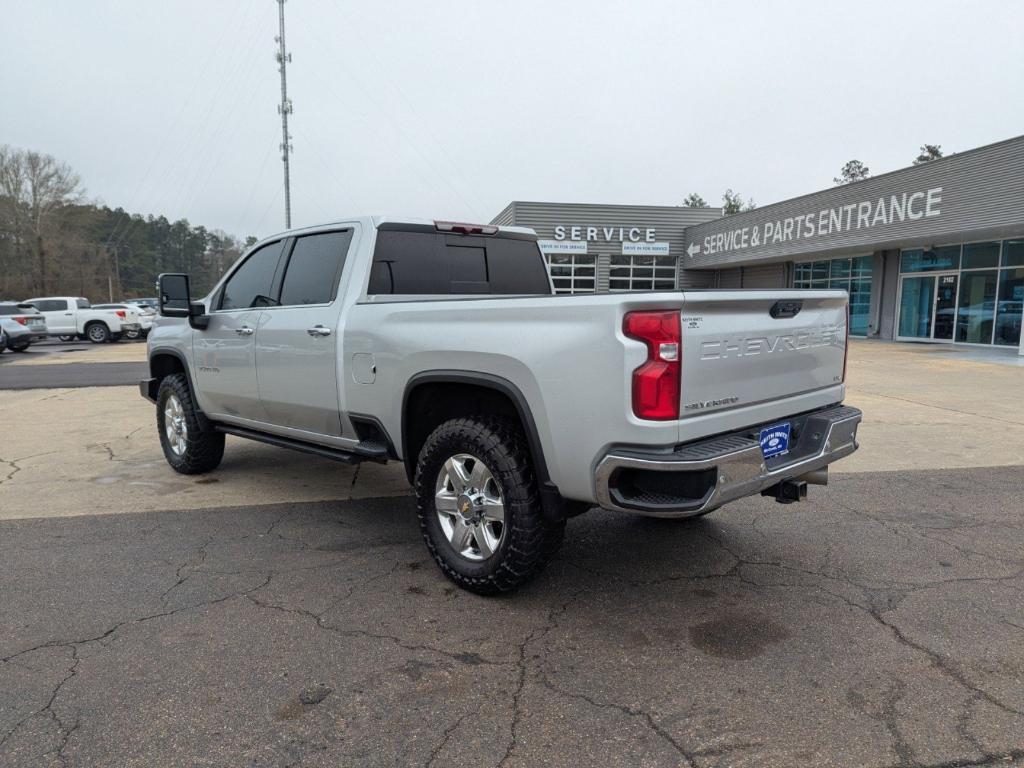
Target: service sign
[
  {"x": 822, "y": 223},
  {"x": 563, "y": 246},
  {"x": 645, "y": 249}
]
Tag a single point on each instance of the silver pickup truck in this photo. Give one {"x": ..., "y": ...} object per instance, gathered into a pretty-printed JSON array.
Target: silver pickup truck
[{"x": 440, "y": 345}]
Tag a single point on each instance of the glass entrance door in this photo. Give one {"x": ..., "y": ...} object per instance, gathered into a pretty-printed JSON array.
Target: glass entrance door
[
  {"x": 945, "y": 307},
  {"x": 928, "y": 307},
  {"x": 917, "y": 301}
]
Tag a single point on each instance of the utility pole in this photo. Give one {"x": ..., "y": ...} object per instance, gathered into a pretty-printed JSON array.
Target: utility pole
[{"x": 284, "y": 109}]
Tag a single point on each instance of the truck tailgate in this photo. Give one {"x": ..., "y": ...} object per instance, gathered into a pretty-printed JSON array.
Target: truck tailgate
[{"x": 746, "y": 347}]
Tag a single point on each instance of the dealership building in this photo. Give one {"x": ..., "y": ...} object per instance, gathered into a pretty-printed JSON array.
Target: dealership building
[{"x": 933, "y": 252}]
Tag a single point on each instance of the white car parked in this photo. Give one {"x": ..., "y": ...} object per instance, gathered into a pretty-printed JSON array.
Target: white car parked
[{"x": 72, "y": 317}]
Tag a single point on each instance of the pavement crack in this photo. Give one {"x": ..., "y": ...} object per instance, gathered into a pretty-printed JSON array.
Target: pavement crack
[
  {"x": 15, "y": 469},
  {"x": 643, "y": 715},
  {"x": 436, "y": 751}
]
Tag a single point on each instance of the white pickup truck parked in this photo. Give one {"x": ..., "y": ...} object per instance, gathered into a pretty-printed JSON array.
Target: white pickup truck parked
[
  {"x": 441, "y": 346},
  {"x": 72, "y": 317}
]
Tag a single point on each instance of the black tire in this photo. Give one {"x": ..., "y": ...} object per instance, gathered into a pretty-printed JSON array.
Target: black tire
[
  {"x": 204, "y": 449},
  {"x": 132, "y": 335},
  {"x": 97, "y": 332},
  {"x": 528, "y": 539},
  {"x": 3, "y": 341},
  {"x": 19, "y": 347},
  {"x": 72, "y": 337}
]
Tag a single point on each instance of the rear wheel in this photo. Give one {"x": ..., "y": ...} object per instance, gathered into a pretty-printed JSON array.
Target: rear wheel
[
  {"x": 97, "y": 333},
  {"x": 65, "y": 337},
  {"x": 132, "y": 335},
  {"x": 188, "y": 448},
  {"x": 3, "y": 341},
  {"x": 19, "y": 347},
  {"x": 479, "y": 509}
]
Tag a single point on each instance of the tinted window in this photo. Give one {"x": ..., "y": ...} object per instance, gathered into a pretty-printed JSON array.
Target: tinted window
[
  {"x": 82, "y": 303},
  {"x": 314, "y": 268},
  {"x": 255, "y": 278},
  {"x": 437, "y": 263},
  {"x": 10, "y": 309},
  {"x": 50, "y": 305}
]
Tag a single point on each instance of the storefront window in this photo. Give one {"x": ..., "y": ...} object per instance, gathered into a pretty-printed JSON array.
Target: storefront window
[
  {"x": 932, "y": 260},
  {"x": 850, "y": 275},
  {"x": 1010, "y": 306},
  {"x": 1013, "y": 253},
  {"x": 981, "y": 256},
  {"x": 977, "y": 309}
]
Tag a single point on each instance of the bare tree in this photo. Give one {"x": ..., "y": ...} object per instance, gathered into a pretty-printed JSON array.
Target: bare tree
[{"x": 50, "y": 185}]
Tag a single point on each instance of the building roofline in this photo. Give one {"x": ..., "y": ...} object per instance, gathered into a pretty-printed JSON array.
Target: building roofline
[
  {"x": 610, "y": 205},
  {"x": 930, "y": 164}
]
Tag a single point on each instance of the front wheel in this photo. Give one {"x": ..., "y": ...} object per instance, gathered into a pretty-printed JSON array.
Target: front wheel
[
  {"x": 188, "y": 448},
  {"x": 132, "y": 335},
  {"x": 479, "y": 509},
  {"x": 19, "y": 347},
  {"x": 66, "y": 337}
]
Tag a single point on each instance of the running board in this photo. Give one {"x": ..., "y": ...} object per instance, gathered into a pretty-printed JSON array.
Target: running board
[{"x": 354, "y": 456}]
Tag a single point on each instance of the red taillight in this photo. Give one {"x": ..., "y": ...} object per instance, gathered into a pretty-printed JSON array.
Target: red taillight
[
  {"x": 656, "y": 382},
  {"x": 120, "y": 313},
  {"x": 21, "y": 320}
]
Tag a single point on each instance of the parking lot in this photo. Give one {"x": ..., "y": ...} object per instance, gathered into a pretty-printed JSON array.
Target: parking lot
[{"x": 283, "y": 610}]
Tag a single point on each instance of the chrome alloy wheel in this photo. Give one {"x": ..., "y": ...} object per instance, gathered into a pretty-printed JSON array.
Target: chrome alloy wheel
[
  {"x": 175, "y": 426},
  {"x": 470, "y": 507}
]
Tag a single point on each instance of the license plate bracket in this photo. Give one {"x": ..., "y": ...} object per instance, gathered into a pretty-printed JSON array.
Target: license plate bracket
[{"x": 775, "y": 440}]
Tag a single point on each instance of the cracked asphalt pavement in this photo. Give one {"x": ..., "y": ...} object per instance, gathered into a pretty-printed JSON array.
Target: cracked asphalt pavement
[{"x": 882, "y": 625}]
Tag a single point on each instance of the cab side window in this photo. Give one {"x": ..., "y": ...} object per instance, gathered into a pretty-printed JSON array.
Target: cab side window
[
  {"x": 252, "y": 283},
  {"x": 314, "y": 268}
]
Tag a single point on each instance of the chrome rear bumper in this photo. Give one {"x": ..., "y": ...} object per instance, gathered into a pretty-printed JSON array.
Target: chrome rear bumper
[{"x": 702, "y": 476}]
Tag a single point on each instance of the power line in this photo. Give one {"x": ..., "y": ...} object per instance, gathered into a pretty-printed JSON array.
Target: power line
[{"x": 285, "y": 109}]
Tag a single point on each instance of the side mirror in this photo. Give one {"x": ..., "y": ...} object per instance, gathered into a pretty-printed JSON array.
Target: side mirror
[
  {"x": 173, "y": 295},
  {"x": 175, "y": 300}
]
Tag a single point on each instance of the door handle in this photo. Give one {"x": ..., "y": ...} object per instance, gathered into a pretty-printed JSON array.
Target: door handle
[
  {"x": 318, "y": 330},
  {"x": 245, "y": 330}
]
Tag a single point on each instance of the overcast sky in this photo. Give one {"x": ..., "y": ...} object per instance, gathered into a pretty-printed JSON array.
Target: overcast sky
[{"x": 451, "y": 109}]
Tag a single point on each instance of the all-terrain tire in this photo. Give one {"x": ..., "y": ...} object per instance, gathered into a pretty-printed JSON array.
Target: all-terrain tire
[
  {"x": 97, "y": 332},
  {"x": 529, "y": 539},
  {"x": 204, "y": 449}
]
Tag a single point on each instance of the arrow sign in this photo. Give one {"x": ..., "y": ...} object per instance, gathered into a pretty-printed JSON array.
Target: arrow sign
[{"x": 692, "y": 249}]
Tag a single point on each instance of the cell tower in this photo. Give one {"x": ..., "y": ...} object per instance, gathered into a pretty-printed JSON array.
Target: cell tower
[{"x": 284, "y": 109}]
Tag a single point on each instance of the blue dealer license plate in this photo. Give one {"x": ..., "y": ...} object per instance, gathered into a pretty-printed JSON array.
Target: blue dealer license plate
[{"x": 775, "y": 440}]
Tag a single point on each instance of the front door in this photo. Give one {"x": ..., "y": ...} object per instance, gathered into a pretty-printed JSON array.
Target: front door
[
  {"x": 297, "y": 344},
  {"x": 225, "y": 351},
  {"x": 945, "y": 307}
]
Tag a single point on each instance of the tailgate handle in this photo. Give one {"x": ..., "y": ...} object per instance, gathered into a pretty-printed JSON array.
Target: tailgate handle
[{"x": 782, "y": 309}]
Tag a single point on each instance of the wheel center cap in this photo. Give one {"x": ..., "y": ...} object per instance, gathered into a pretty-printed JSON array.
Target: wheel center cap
[{"x": 465, "y": 506}]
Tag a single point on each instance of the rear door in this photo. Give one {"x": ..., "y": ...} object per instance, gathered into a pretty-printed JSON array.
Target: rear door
[
  {"x": 742, "y": 347},
  {"x": 297, "y": 356},
  {"x": 225, "y": 351}
]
